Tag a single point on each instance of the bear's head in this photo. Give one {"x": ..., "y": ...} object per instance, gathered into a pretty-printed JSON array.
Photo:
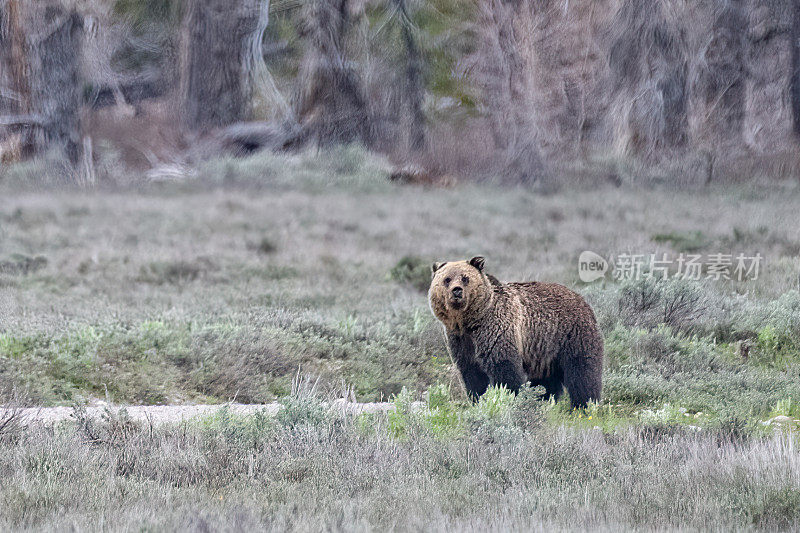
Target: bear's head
[{"x": 459, "y": 291}]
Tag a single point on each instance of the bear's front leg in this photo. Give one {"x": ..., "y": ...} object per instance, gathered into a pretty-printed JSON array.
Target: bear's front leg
[
  {"x": 503, "y": 364},
  {"x": 462, "y": 351},
  {"x": 508, "y": 373},
  {"x": 475, "y": 380}
]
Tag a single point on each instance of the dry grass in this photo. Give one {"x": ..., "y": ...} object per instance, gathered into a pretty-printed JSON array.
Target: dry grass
[
  {"x": 315, "y": 469},
  {"x": 224, "y": 287},
  {"x": 221, "y": 286}
]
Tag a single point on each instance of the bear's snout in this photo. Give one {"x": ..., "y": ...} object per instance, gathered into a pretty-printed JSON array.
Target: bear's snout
[{"x": 458, "y": 292}]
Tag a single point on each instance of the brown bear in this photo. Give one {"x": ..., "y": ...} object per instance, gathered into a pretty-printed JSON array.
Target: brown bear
[{"x": 511, "y": 333}]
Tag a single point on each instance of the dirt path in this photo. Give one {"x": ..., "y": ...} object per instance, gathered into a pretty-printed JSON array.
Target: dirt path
[{"x": 160, "y": 414}]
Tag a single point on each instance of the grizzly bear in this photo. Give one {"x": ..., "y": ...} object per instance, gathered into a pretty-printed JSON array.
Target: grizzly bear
[{"x": 511, "y": 333}]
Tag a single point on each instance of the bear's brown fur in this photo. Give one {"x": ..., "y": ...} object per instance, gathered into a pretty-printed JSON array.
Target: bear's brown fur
[{"x": 511, "y": 333}]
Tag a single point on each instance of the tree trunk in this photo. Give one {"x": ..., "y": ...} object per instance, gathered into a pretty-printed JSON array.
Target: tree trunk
[
  {"x": 414, "y": 90},
  {"x": 55, "y": 81},
  {"x": 215, "y": 58},
  {"x": 719, "y": 78},
  {"x": 502, "y": 74},
  {"x": 795, "y": 91},
  {"x": 648, "y": 63},
  {"x": 42, "y": 59},
  {"x": 14, "y": 59},
  {"x": 768, "y": 120},
  {"x": 332, "y": 107}
]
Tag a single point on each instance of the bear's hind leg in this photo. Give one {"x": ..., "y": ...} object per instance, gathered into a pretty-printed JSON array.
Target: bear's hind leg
[
  {"x": 583, "y": 382},
  {"x": 553, "y": 385},
  {"x": 581, "y": 359}
]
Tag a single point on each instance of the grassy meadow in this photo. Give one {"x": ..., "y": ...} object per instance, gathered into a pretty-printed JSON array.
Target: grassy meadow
[
  {"x": 502, "y": 465},
  {"x": 225, "y": 285}
]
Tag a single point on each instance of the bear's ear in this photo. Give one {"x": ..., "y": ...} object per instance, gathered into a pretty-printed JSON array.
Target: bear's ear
[
  {"x": 436, "y": 266},
  {"x": 477, "y": 262}
]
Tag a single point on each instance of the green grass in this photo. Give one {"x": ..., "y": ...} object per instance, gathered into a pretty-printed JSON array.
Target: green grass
[
  {"x": 437, "y": 465},
  {"x": 684, "y": 242},
  {"x": 227, "y": 286},
  {"x": 224, "y": 287}
]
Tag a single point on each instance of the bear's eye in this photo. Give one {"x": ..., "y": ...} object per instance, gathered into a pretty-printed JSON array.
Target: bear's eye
[
  {"x": 464, "y": 280},
  {"x": 447, "y": 281}
]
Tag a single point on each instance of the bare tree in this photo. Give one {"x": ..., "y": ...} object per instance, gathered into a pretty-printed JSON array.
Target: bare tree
[
  {"x": 216, "y": 82},
  {"x": 503, "y": 77},
  {"x": 718, "y": 80},
  {"x": 795, "y": 92},
  {"x": 13, "y": 52},
  {"x": 649, "y": 66},
  {"x": 331, "y": 106},
  {"x": 43, "y": 63},
  {"x": 768, "y": 108},
  {"x": 414, "y": 89}
]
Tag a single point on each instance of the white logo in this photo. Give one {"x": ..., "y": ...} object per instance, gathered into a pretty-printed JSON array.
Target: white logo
[{"x": 591, "y": 267}]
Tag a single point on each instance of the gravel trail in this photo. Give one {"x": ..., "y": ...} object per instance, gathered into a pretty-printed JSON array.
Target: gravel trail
[{"x": 159, "y": 414}]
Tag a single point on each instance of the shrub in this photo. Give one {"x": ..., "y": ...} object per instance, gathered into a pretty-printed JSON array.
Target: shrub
[
  {"x": 174, "y": 272},
  {"x": 264, "y": 245},
  {"x": 22, "y": 264},
  {"x": 635, "y": 388},
  {"x": 662, "y": 351},
  {"x": 244, "y": 364},
  {"x": 495, "y": 403},
  {"x": 113, "y": 428},
  {"x": 683, "y": 242},
  {"x": 528, "y": 409},
  {"x": 400, "y": 418},
  {"x": 442, "y": 417},
  {"x": 413, "y": 271},
  {"x": 303, "y": 407},
  {"x": 297, "y": 412},
  {"x": 650, "y": 301},
  {"x": 733, "y": 427},
  {"x": 778, "y": 328},
  {"x": 438, "y": 396},
  {"x": 239, "y": 429},
  {"x": 777, "y": 509},
  {"x": 786, "y": 407}
]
